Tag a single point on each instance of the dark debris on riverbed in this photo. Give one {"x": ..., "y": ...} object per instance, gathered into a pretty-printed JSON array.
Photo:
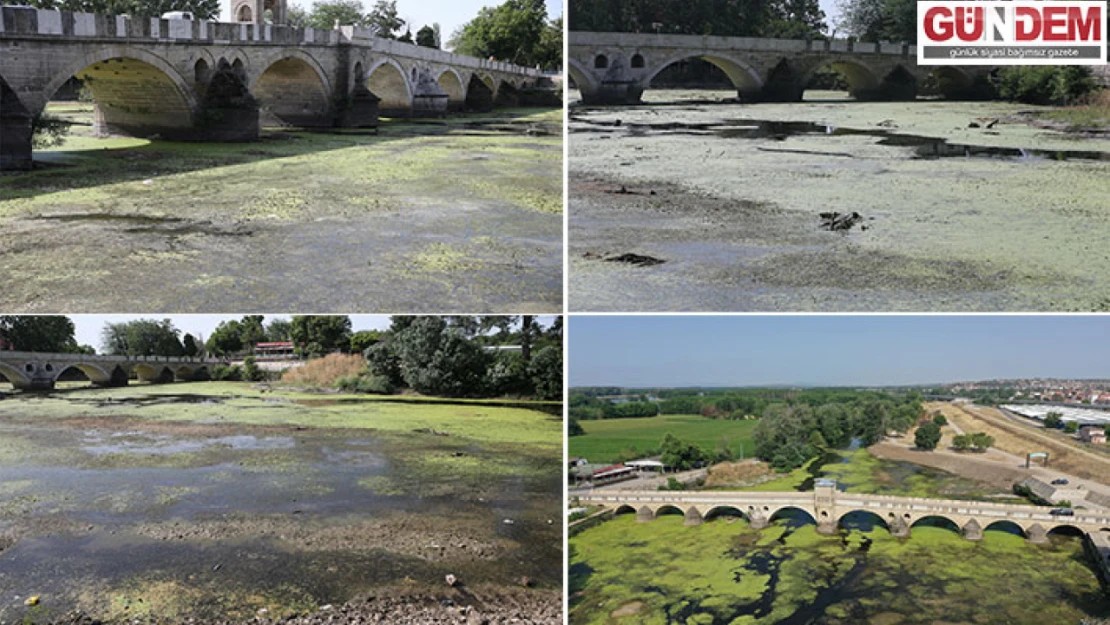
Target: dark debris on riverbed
[{"x": 518, "y": 610}]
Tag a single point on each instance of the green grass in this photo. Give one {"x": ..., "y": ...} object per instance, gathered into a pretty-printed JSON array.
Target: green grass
[
  {"x": 241, "y": 403},
  {"x": 607, "y": 439}
]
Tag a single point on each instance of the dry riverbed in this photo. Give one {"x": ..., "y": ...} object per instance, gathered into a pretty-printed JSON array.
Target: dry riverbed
[
  {"x": 221, "y": 503},
  {"x": 717, "y": 206},
  {"x": 467, "y": 210}
]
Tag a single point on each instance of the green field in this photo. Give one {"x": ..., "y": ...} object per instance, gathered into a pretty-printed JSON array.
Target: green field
[{"x": 605, "y": 440}]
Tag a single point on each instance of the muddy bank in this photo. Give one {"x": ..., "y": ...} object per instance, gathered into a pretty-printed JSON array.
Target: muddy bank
[
  {"x": 728, "y": 200},
  {"x": 470, "y": 606},
  {"x": 217, "y": 505},
  {"x": 467, "y": 211},
  {"x": 986, "y": 472}
]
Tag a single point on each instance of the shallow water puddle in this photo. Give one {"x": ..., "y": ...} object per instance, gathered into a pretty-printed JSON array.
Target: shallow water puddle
[{"x": 923, "y": 146}]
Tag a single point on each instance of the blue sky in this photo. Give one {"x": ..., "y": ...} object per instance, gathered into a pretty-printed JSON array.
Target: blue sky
[
  {"x": 449, "y": 13},
  {"x": 832, "y": 350}
]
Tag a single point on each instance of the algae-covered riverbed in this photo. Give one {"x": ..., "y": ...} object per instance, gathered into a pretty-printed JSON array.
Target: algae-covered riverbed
[
  {"x": 217, "y": 500},
  {"x": 723, "y": 572},
  {"x": 728, "y": 196},
  {"x": 467, "y": 210}
]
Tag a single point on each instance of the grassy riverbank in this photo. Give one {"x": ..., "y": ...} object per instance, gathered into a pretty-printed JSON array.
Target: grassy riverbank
[{"x": 608, "y": 439}]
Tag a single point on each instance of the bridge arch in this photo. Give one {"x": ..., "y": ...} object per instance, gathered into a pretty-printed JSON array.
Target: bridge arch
[
  {"x": 862, "y": 79},
  {"x": 1066, "y": 529},
  {"x": 451, "y": 82},
  {"x": 742, "y": 75},
  {"x": 96, "y": 374},
  {"x": 388, "y": 80},
  {"x": 293, "y": 90},
  {"x": 135, "y": 92},
  {"x": 725, "y": 511},
  {"x": 506, "y": 94},
  {"x": 14, "y": 376},
  {"x": 1010, "y": 527},
  {"x": 788, "y": 512},
  {"x": 624, "y": 509},
  {"x": 936, "y": 520},
  {"x": 668, "y": 509},
  {"x": 154, "y": 373},
  {"x": 583, "y": 78},
  {"x": 952, "y": 81},
  {"x": 863, "y": 520},
  {"x": 479, "y": 95}
]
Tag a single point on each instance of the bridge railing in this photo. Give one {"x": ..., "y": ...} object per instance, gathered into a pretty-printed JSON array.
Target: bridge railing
[
  {"x": 365, "y": 36},
  {"x": 39, "y": 356},
  {"x": 33, "y": 22},
  {"x": 754, "y": 44}
]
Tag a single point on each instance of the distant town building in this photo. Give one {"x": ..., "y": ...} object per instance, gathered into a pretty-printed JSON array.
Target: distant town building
[{"x": 1094, "y": 434}]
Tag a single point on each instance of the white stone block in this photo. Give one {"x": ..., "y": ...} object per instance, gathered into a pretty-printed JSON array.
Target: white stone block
[
  {"x": 84, "y": 24},
  {"x": 180, "y": 29},
  {"x": 50, "y": 22}
]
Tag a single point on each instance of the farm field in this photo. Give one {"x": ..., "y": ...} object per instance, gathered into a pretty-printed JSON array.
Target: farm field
[{"x": 605, "y": 440}]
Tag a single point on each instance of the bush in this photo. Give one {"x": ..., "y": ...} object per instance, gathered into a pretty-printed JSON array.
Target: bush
[
  {"x": 1071, "y": 427},
  {"x": 927, "y": 436},
  {"x": 224, "y": 373},
  {"x": 376, "y": 385},
  {"x": 546, "y": 371},
  {"x": 940, "y": 420},
  {"x": 1045, "y": 84},
  {"x": 327, "y": 371},
  {"x": 48, "y": 131},
  {"x": 251, "y": 371},
  {"x": 508, "y": 375}
]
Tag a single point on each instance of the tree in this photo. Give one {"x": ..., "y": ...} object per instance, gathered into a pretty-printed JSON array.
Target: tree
[
  {"x": 407, "y": 37},
  {"x": 39, "y": 333},
  {"x": 509, "y": 32},
  {"x": 279, "y": 329},
  {"x": 981, "y": 442},
  {"x": 227, "y": 338},
  {"x": 548, "y": 53},
  {"x": 316, "y": 335},
  {"x": 574, "y": 428},
  {"x": 251, "y": 371},
  {"x": 384, "y": 20},
  {"x": 940, "y": 419},
  {"x": 1053, "y": 420},
  {"x": 961, "y": 442},
  {"x": 927, "y": 436},
  {"x": 546, "y": 373},
  {"x": 1071, "y": 427},
  {"x": 251, "y": 331},
  {"x": 363, "y": 339},
  {"x": 141, "y": 337},
  {"x": 189, "y": 344},
  {"x": 326, "y": 14},
  {"x": 679, "y": 454},
  {"x": 296, "y": 16},
  {"x": 426, "y": 37}
]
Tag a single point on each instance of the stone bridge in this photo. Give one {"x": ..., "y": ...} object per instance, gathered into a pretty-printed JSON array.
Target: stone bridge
[
  {"x": 41, "y": 370},
  {"x": 827, "y": 507},
  {"x": 615, "y": 68},
  {"x": 195, "y": 80}
]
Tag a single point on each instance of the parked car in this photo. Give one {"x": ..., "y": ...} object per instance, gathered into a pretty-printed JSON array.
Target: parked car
[
  {"x": 1062, "y": 512},
  {"x": 1059, "y": 482},
  {"x": 177, "y": 15}
]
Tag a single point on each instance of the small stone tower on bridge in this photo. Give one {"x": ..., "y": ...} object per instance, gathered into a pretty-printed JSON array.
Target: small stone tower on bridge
[{"x": 254, "y": 11}]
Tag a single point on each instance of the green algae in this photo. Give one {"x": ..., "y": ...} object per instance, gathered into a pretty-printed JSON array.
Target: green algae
[{"x": 714, "y": 570}]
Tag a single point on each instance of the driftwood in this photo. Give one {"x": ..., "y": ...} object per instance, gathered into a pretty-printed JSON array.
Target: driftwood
[{"x": 839, "y": 222}]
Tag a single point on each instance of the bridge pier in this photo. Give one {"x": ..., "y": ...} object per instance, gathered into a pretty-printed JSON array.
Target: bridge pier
[
  {"x": 1037, "y": 535},
  {"x": 614, "y": 92},
  {"x": 972, "y": 531},
  {"x": 692, "y": 517}
]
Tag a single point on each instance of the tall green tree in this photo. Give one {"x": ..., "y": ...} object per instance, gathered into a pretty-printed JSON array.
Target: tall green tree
[
  {"x": 316, "y": 335},
  {"x": 325, "y": 14},
  {"x": 509, "y": 32},
  {"x": 142, "y": 337},
  {"x": 39, "y": 333},
  {"x": 226, "y": 339},
  {"x": 190, "y": 346},
  {"x": 384, "y": 20},
  {"x": 426, "y": 37},
  {"x": 279, "y": 329},
  {"x": 927, "y": 436}
]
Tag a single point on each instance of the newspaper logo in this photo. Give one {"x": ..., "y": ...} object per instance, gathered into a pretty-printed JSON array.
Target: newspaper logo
[{"x": 1006, "y": 32}]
